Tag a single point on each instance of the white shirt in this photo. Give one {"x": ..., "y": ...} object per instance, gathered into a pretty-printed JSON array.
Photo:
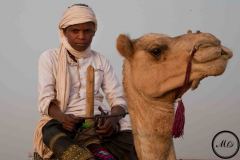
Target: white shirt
[{"x": 105, "y": 80}]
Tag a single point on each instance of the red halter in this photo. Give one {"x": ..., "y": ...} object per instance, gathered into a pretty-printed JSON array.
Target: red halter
[{"x": 179, "y": 119}]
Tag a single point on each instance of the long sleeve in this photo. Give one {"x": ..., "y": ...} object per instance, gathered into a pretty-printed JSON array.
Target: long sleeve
[
  {"x": 112, "y": 87},
  {"x": 46, "y": 81},
  {"x": 114, "y": 92}
]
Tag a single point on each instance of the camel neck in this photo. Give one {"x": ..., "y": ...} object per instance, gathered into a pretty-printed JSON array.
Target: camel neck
[{"x": 152, "y": 121}]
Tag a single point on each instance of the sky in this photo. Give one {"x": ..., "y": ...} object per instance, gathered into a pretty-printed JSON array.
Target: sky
[{"x": 29, "y": 27}]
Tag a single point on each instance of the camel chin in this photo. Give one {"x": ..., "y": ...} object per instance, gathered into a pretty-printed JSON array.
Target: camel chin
[{"x": 195, "y": 84}]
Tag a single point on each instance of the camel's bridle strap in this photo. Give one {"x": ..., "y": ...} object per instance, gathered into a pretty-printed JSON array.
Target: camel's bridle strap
[
  {"x": 181, "y": 91},
  {"x": 179, "y": 118}
]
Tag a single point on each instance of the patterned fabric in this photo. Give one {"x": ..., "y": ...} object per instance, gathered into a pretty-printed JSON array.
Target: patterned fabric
[
  {"x": 121, "y": 146},
  {"x": 74, "y": 152},
  {"x": 117, "y": 147},
  {"x": 100, "y": 153},
  {"x": 62, "y": 143}
]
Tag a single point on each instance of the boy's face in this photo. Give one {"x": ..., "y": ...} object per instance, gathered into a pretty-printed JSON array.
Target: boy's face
[{"x": 80, "y": 36}]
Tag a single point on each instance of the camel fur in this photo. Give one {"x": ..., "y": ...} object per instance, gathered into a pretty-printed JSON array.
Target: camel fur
[{"x": 154, "y": 69}]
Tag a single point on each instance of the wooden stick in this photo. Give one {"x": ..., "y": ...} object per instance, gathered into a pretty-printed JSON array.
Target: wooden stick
[{"x": 90, "y": 92}]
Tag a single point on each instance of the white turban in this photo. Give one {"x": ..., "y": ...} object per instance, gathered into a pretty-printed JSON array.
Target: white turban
[{"x": 77, "y": 14}]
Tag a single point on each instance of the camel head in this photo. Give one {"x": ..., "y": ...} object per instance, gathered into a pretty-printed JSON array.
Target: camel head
[{"x": 157, "y": 63}]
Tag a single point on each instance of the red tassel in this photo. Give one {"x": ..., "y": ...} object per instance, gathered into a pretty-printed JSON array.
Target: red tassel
[{"x": 179, "y": 120}]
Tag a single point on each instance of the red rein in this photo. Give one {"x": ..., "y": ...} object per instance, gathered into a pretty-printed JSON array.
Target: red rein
[{"x": 179, "y": 119}]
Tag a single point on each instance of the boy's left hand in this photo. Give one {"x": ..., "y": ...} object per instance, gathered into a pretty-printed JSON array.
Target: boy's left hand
[{"x": 109, "y": 126}]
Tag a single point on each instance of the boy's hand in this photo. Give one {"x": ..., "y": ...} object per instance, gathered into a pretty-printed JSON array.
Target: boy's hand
[
  {"x": 69, "y": 122},
  {"x": 109, "y": 126}
]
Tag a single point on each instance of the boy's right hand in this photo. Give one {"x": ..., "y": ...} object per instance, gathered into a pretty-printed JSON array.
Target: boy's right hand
[{"x": 69, "y": 122}]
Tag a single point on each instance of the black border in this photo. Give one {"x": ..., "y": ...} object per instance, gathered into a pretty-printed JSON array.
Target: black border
[{"x": 238, "y": 144}]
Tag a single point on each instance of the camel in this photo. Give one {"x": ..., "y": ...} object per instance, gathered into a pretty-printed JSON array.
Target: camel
[{"x": 154, "y": 70}]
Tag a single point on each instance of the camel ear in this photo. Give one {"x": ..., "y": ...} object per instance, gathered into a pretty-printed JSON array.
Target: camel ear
[{"x": 124, "y": 46}]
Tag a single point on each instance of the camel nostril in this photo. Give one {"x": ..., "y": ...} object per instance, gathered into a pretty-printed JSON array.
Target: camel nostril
[
  {"x": 226, "y": 52},
  {"x": 222, "y": 52}
]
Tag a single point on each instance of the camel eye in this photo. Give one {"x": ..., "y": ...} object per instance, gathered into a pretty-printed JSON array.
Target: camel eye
[{"x": 157, "y": 51}]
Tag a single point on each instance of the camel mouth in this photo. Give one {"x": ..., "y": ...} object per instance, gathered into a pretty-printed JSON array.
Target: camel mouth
[
  {"x": 208, "y": 52},
  {"x": 213, "y": 67}
]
